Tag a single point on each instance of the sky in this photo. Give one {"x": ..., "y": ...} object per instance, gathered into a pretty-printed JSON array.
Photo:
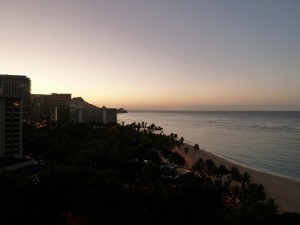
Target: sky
[{"x": 157, "y": 54}]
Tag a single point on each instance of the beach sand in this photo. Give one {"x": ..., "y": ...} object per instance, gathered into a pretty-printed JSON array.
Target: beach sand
[{"x": 284, "y": 190}]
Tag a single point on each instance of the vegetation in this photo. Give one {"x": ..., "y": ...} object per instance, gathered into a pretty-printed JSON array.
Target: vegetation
[{"x": 116, "y": 174}]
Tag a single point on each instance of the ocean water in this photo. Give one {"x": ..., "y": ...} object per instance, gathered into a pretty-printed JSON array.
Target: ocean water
[{"x": 265, "y": 141}]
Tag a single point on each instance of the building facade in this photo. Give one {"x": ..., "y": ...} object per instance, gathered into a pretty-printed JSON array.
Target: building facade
[
  {"x": 60, "y": 106},
  {"x": 15, "y": 108},
  {"x": 40, "y": 107},
  {"x": 54, "y": 107}
]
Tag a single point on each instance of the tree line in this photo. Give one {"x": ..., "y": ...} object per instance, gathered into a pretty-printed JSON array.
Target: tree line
[{"x": 115, "y": 174}]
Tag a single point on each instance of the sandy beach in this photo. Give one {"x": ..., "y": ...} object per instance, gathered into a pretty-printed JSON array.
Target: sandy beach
[{"x": 285, "y": 191}]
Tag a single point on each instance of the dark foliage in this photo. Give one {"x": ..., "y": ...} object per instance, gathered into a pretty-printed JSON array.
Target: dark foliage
[{"x": 116, "y": 174}]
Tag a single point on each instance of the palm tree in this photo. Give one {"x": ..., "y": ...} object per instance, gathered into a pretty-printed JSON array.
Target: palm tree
[
  {"x": 175, "y": 136},
  {"x": 198, "y": 168},
  {"x": 221, "y": 171},
  {"x": 176, "y": 159},
  {"x": 246, "y": 179},
  {"x": 195, "y": 148},
  {"x": 160, "y": 129},
  {"x": 180, "y": 143},
  {"x": 210, "y": 169},
  {"x": 139, "y": 126},
  {"x": 272, "y": 205},
  {"x": 235, "y": 174},
  {"x": 181, "y": 140},
  {"x": 235, "y": 196},
  {"x": 186, "y": 150},
  {"x": 257, "y": 192},
  {"x": 151, "y": 128}
]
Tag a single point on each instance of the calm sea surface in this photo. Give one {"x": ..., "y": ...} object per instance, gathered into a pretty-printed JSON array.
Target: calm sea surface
[{"x": 266, "y": 141}]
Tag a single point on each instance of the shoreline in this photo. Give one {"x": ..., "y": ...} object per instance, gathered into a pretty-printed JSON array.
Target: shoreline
[
  {"x": 254, "y": 169},
  {"x": 284, "y": 190}
]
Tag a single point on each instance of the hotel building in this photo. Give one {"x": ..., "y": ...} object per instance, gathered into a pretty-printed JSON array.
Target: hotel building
[
  {"x": 83, "y": 112},
  {"x": 54, "y": 107},
  {"x": 15, "y": 108}
]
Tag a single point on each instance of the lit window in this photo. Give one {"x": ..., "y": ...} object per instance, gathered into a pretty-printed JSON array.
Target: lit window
[{"x": 16, "y": 104}]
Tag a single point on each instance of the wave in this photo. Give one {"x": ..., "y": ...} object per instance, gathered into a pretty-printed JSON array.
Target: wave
[{"x": 268, "y": 141}]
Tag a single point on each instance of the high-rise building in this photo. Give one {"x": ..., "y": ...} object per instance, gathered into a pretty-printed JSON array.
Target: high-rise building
[
  {"x": 41, "y": 107},
  {"x": 60, "y": 107},
  {"x": 54, "y": 107},
  {"x": 15, "y": 108}
]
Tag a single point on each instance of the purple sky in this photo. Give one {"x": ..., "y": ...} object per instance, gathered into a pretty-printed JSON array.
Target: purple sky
[{"x": 157, "y": 54}]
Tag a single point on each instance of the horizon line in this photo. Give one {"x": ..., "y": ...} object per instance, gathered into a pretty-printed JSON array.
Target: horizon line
[{"x": 207, "y": 110}]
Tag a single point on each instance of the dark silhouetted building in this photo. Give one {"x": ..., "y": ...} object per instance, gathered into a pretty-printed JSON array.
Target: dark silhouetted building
[
  {"x": 60, "y": 104},
  {"x": 54, "y": 107},
  {"x": 41, "y": 107},
  {"x": 15, "y": 108},
  {"x": 83, "y": 112}
]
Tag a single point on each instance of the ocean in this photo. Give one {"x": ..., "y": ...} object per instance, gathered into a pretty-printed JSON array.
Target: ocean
[{"x": 265, "y": 141}]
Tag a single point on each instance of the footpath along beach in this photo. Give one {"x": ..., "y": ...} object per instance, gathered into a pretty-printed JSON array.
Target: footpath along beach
[{"x": 284, "y": 190}]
